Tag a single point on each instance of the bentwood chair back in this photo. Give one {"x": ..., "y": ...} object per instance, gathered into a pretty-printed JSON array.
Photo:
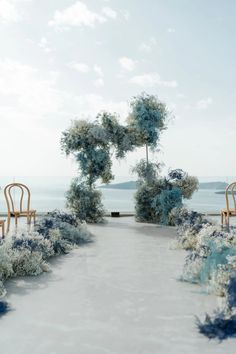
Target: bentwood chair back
[
  {"x": 230, "y": 199},
  {"x": 23, "y": 203}
]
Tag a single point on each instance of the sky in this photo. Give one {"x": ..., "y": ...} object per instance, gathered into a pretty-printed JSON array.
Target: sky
[{"x": 62, "y": 60}]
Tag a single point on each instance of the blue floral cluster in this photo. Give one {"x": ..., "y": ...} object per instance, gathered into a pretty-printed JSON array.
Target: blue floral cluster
[
  {"x": 148, "y": 116},
  {"x": 222, "y": 324},
  {"x": 211, "y": 261},
  {"x": 85, "y": 202},
  {"x": 4, "y": 307},
  {"x": 218, "y": 326},
  {"x": 157, "y": 196},
  {"x": 68, "y": 225},
  {"x": 27, "y": 254},
  {"x": 92, "y": 144}
]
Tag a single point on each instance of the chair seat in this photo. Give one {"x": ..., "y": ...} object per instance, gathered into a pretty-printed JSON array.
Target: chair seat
[
  {"x": 2, "y": 222},
  {"x": 231, "y": 211},
  {"x": 23, "y": 212}
]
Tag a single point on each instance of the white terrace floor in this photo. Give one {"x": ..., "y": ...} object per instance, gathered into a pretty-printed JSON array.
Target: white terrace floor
[{"x": 119, "y": 295}]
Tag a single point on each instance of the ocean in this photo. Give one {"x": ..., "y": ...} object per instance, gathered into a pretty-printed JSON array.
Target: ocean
[
  {"x": 206, "y": 201},
  {"x": 48, "y": 193}
]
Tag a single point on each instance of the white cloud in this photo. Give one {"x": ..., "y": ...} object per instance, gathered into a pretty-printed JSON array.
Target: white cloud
[
  {"x": 85, "y": 68},
  {"x": 11, "y": 11},
  {"x": 98, "y": 82},
  {"x": 34, "y": 111},
  {"x": 25, "y": 87},
  {"x": 152, "y": 79},
  {"x": 127, "y": 63},
  {"x": 78, "y": 15},
  {"x": 91, "y": 104},
  {"x": 148, "y": 46},
  {"x": 43, "y": 43},
  {"x": 80, "y": 67},
  {"x": 8, "y": 12},
  {"x": 28, "y": 97},
  {"x": 108, "y": 12},
  {"x": 98, "y": 70},
  {"x": 204, "y": 103}
]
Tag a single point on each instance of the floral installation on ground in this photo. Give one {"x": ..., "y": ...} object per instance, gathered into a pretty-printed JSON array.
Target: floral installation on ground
[
  {"x": 211, "y": 261},
  {"x": 92, "y": 144},
  {"x": 157, "y": 196},
  {"x": 26, "y": 254}
]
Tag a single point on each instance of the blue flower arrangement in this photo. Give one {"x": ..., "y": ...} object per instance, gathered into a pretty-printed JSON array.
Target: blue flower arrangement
[
  {"x": 85, "y": 202},
  {"x": 157, "y": 197},
  {"x": 4, "y": 308},
  {"x": 219, "y": 326},
  {"x": 211, "y": 261},
  {"x": 222, "y": 324},
  {"x": 148, "y": 116},
  {"x": 91, "y": 144},
  {"x": 165, "y": 202},
  {"x": 27, "y": 253}
]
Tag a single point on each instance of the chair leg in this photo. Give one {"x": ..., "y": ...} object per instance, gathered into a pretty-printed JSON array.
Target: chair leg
[
  {"x": 227, "y": 221},
  {"x": 8, "y": 222},
  {"x": 222, "y": 219},
  {"x": 16, "y": 220},
  {"x": 3, "y": 230},
  {"x": 34, "y": 217}
]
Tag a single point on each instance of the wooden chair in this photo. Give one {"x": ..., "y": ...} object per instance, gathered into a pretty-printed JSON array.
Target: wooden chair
[
  {"x": 228, "y": 212},
  {"x": 11, "y": 211}
]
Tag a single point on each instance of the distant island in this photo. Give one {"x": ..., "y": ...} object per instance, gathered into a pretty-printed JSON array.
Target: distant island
[
  {"x": 133, "y": 185},
  {"x": 124, "y": 185},
  {"x": 223, "y": 192},
  {"x": 213, "y": 185}
]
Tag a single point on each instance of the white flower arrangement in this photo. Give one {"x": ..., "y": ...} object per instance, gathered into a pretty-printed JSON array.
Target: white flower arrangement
[
  {"x": 191, "y": 271},
  {"x": 2, "y": 290},
  {"x": 6, "y": 270},
  {"x": 26, "y": 254},
  {"x": 25, "y": 262},
  {"x": 212, "y": 257}
]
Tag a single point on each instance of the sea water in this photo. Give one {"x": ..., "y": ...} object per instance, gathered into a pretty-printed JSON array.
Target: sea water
[
  {"x": 206, "y": 201},
  {"x": 48, "y": 193}
]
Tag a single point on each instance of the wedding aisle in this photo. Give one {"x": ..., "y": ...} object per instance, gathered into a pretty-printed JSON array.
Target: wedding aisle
[{"x": 118, "y": 295}]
